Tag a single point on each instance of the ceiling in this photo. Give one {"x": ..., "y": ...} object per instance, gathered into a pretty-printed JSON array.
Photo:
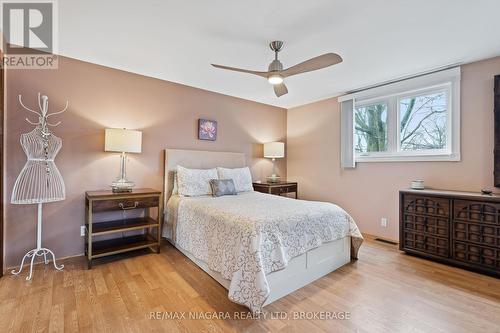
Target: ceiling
[{"x": 379, "y": 40}]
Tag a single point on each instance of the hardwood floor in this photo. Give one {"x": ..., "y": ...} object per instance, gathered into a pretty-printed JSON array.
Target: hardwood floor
[{"x": 384, "y": 291}]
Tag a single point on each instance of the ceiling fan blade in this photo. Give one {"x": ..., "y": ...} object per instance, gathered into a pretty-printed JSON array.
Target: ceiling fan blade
[
  {"x": 280, "y": 89},
  {"x": 263, "y": 74},
  {"x": 313, "y": 64}
]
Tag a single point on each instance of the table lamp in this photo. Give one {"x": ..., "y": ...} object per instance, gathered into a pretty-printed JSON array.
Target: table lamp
[
  {"x": 274, "y": 150},
  {"x": 123, "y": 141}
]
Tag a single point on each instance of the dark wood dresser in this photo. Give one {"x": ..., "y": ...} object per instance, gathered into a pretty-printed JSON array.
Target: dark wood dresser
[{"x": 459, "y": 228}]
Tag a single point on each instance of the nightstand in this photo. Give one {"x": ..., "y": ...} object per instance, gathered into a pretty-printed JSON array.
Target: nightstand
[
  {"x": 97, "y": 202},
  {"x": 278, "y": 188}
]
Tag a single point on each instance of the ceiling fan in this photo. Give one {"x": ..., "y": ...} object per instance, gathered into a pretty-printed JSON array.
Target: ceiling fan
[{"x": 276, "y": 74}]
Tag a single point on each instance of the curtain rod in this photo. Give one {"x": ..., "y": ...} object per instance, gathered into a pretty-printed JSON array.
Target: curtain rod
[{"x": 436, "y": 70}]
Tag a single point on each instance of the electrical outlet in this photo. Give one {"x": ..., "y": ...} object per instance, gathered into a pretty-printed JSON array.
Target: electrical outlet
[
  {"x": 383, "y": 222},
  {"x": 82, "y": 231}
]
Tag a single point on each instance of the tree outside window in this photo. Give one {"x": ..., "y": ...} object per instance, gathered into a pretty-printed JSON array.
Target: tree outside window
[
  {"x": 370, "y": 134},
  {"x": 423, "y": 122}
]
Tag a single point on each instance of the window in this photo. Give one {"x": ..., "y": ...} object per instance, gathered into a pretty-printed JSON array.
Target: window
[
  {"x": 370, "y": 127},
  {"x": 423, "y": 121},
  {"x": 411, "y": 120}
]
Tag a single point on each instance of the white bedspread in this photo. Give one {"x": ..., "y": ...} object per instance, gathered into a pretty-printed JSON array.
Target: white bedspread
[{"x": 247, "y": 236}]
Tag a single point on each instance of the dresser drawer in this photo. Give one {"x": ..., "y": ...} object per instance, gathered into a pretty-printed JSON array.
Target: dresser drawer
[
  {"x": 124, "y": 204},
  {"x": 426, "y": 243},
  {"x": 476, "y": 211},
  {"x": 475, "y": 232},
  {"x": 283, "y": 189},
  {"x": 434, "y": 225},
  {"x": 477, "y": 255},
  {"x": 423, "y": 205}
]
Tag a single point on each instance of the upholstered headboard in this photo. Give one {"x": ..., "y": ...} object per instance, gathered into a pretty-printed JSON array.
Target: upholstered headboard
[{"x": 197, "y": 159}]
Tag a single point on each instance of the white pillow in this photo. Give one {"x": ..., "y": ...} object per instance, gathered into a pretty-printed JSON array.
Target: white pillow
[
  {"x": 195, "y": 182},
  {"x": 241, "y": 177}
]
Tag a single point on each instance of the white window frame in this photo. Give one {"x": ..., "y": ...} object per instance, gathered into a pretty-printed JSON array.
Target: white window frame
[{"x": 444, "y": 81}]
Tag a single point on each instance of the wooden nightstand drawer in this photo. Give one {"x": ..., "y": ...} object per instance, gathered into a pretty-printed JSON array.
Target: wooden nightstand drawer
[
  {"x": 124, "y": 204},
  {"x": 283, "y": 189},
  {"x": 277, "y": 188}
]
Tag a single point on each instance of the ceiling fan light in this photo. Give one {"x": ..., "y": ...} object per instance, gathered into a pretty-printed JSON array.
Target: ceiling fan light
[{"x": 275, "y": 79}]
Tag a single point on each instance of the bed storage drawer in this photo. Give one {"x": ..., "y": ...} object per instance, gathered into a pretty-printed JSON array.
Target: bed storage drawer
[
  {"x": 328, "y": 253},
  {"x": 309, "y": 267}
]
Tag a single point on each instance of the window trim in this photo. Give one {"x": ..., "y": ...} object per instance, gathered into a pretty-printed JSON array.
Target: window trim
[{"x": 447, "y": 80}]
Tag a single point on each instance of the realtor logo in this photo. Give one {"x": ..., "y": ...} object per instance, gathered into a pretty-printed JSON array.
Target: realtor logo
[
  {"x": 27, "y": 27},
  {"x": 28, "y": 34}
]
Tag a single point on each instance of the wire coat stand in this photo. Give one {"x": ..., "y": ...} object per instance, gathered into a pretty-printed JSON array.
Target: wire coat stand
[
  {"x": 39, "y": 251},
  {"x": 39, "y": 181}
]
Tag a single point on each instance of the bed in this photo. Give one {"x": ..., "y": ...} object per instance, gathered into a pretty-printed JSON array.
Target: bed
[{"x": 258, "y": 246}]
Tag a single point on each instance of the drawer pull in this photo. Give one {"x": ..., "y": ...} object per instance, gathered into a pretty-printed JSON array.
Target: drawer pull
[{"x": 122, "y": 206}]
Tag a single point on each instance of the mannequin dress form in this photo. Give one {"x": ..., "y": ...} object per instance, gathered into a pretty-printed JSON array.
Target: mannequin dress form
[{"x": 39, "y": 181}]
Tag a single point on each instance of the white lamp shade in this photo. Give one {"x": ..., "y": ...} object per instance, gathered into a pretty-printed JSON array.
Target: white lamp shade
[
  {"x": 274, "y": 149},
  {"x": 122, "y": 140}
]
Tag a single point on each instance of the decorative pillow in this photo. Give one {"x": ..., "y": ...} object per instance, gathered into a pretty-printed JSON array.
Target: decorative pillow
[
  {"x": 195, "y": 182},
  {"x": 241, "y": 177},
  {"x": 222, "y": 187}
]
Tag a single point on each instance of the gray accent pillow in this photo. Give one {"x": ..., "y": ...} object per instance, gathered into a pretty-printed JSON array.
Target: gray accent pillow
[{"x": 222, "y": 187}]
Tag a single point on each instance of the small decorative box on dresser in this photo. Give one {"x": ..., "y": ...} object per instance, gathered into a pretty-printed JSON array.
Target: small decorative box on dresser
[
  {"x": 459, "y": 228},
  {"x": 278, "y": 188},
  {"x": 107, "y": 201}
]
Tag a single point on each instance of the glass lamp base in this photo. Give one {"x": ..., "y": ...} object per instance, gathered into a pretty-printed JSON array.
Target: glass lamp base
[
  {"x": 122, "y": 185},
  {"x": 273, "y": 179}
]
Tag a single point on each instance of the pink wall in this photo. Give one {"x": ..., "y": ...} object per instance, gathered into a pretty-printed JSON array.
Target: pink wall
[
  {"x": 101, "y": 97},
  {"x": 167, "y": 114},
  {"x": 370, "y": 191}
]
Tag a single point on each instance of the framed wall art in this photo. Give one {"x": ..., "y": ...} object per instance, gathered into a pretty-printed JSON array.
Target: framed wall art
[{"x": 207, "y": 129}]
